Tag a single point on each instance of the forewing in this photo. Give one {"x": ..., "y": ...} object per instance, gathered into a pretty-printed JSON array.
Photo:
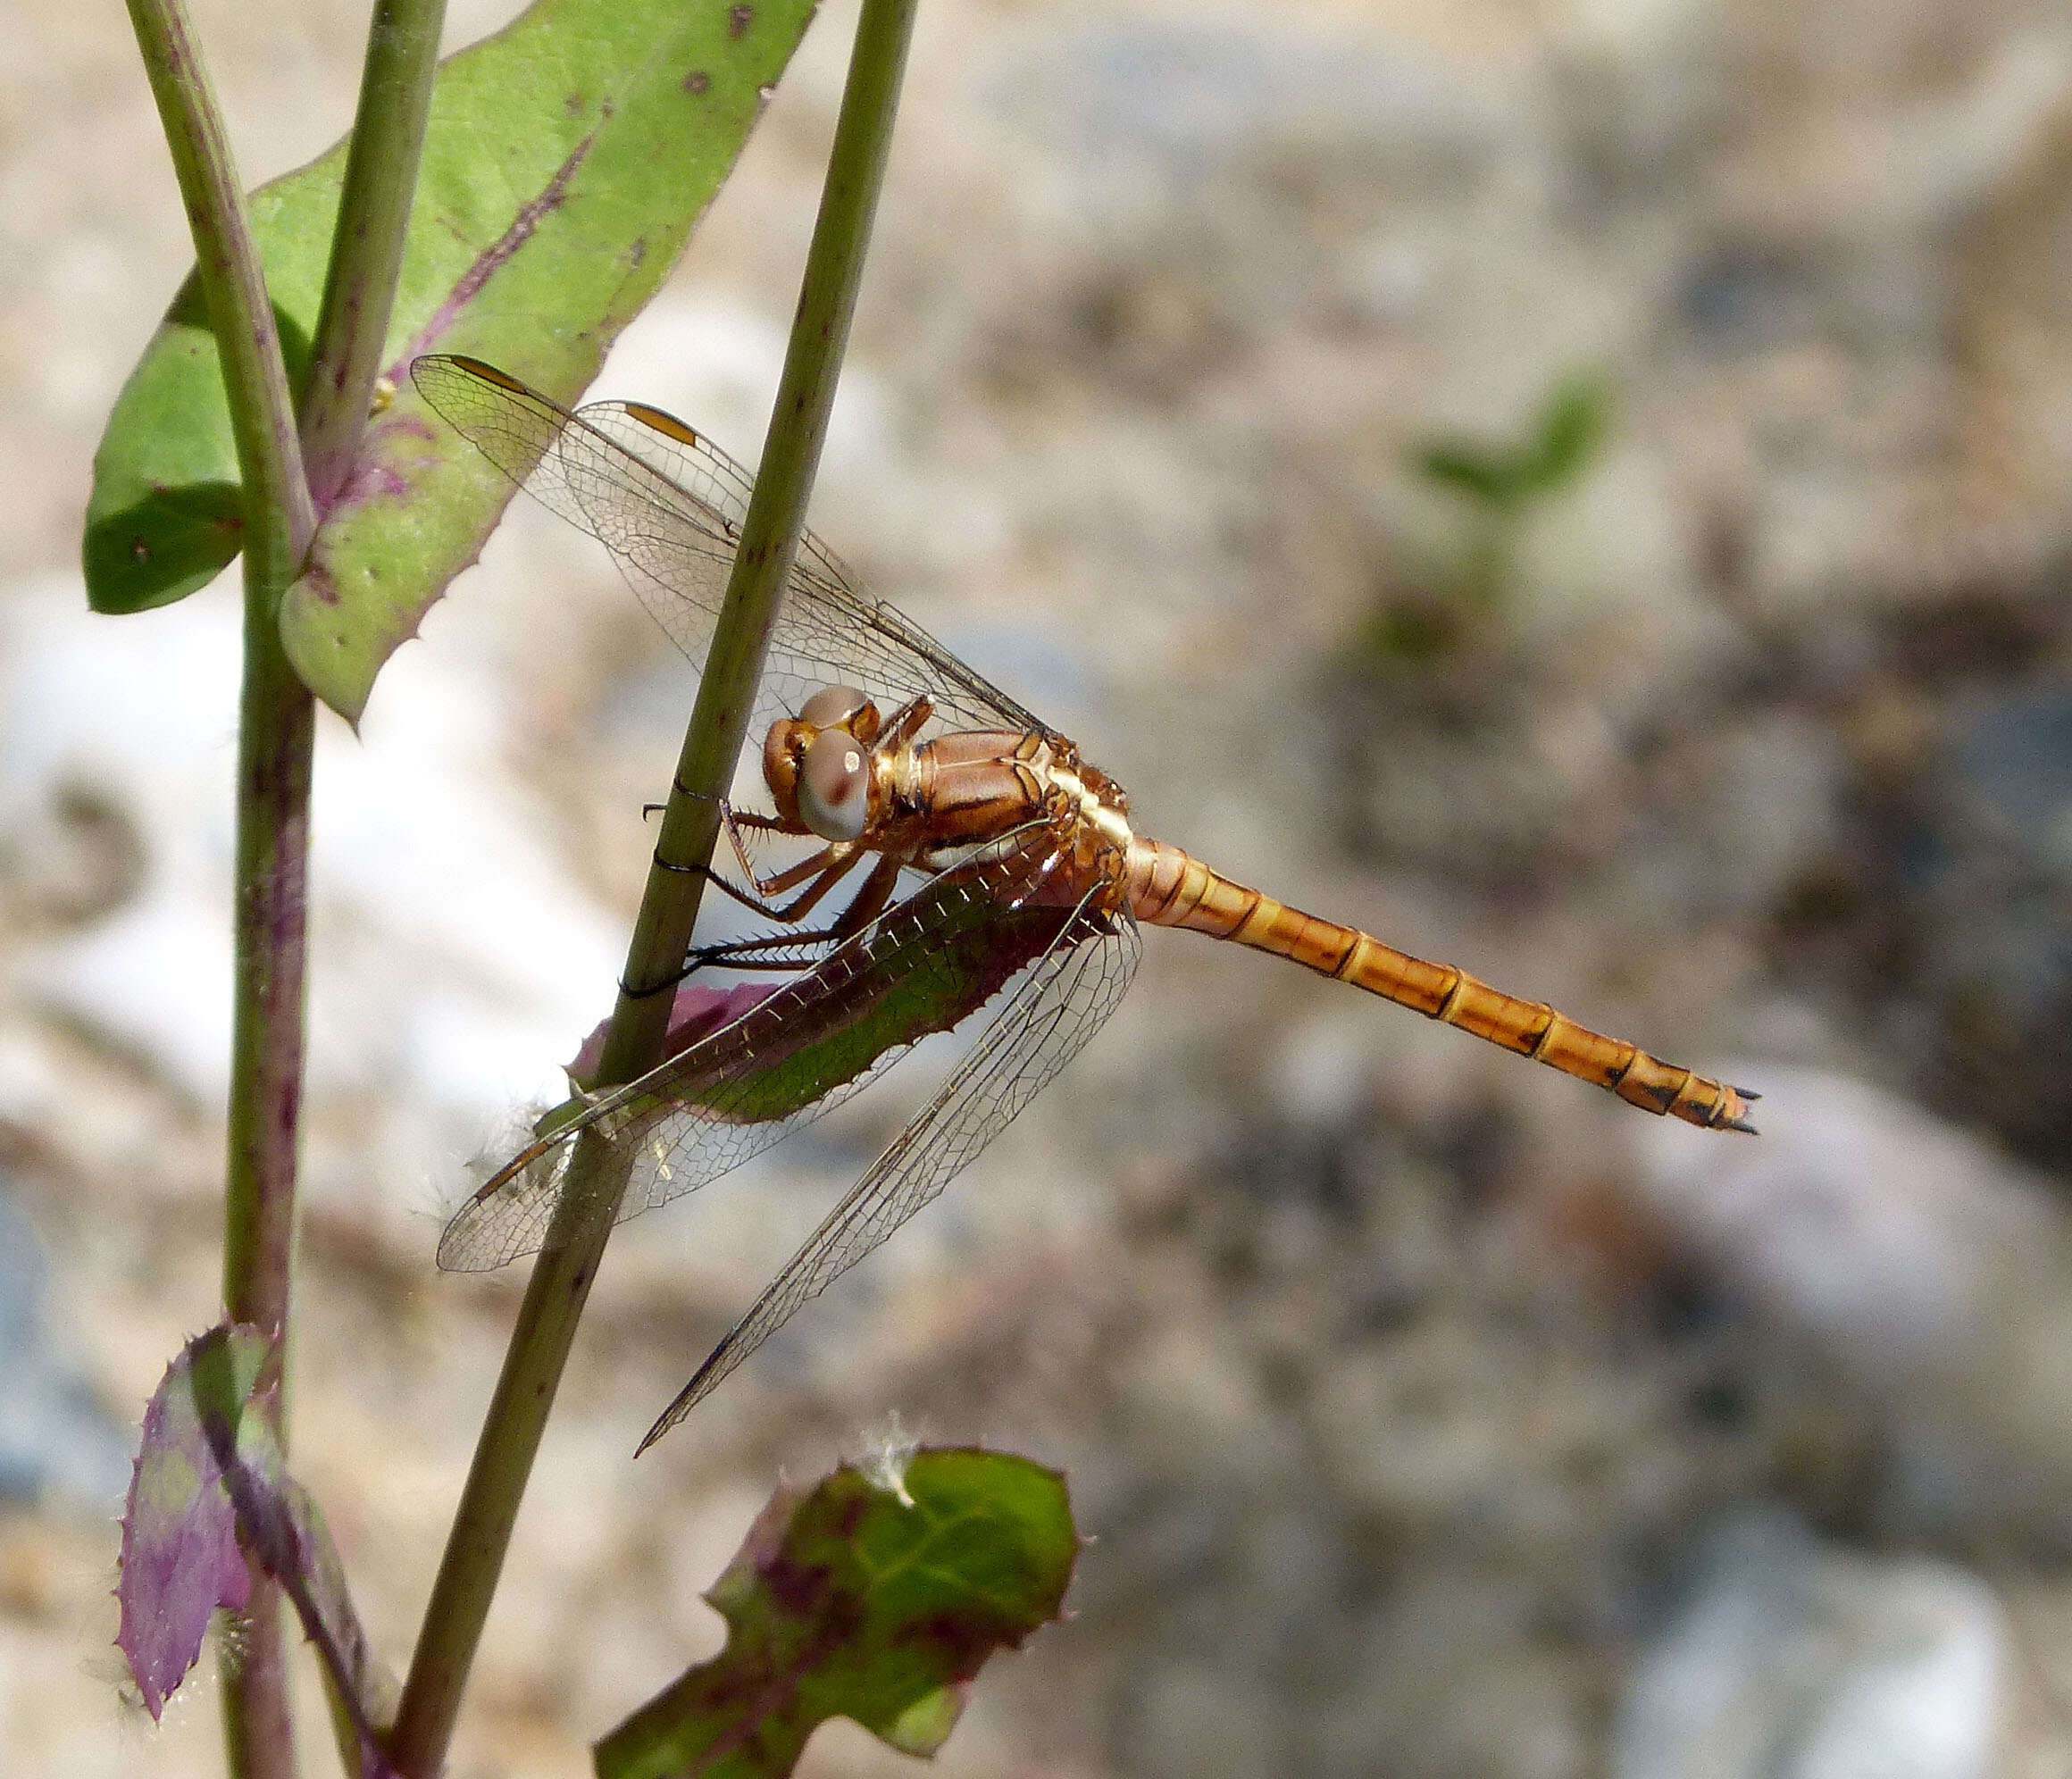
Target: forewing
[
  {"x": 1059, "y": 1005},
  {"x": 669, "y": 505},
  {"x": 922, "y": 967}
]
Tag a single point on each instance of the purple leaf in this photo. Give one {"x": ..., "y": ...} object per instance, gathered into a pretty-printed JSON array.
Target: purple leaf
[
  {"x": 697, "y": 1012},
  {"x": 181, "y": 1558},
  {"x": 210, "y": 1495}
]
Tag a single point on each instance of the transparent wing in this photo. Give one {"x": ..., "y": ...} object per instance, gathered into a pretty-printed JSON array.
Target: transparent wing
[
  {"x": 791, "y": 1057},
  {"x": 1057, "y": 1006},
  {"x": 669, "y": 505}
]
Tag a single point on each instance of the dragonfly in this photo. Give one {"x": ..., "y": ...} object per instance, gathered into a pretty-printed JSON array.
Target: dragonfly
[{"x": 993, "y": 876}]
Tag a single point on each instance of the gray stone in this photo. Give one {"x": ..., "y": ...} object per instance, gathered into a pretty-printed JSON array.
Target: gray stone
[
  {"x": 1930, "y": 1276},
  {"x": 1788, "y": 1659},
  {"x": 57, "y": 1444}
]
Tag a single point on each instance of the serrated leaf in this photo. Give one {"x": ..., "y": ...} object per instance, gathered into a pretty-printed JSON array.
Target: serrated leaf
[
  {"x": 973, "y": 951},
  {"x": 181, "y": 1558},
  {"x": 212, "y": 1490},
  {"x": 872, "y": 1596},
  {"x": 565, "y": 161},
  {"x": 282, "y": 1524}
]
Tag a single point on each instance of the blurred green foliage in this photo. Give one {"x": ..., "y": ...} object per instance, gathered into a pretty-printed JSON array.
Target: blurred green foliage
[{"x": 1445, "y": 606}]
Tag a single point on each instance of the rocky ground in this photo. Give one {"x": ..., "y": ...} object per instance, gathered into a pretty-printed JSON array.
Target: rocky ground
[{"x": 1433, "y": 1416}]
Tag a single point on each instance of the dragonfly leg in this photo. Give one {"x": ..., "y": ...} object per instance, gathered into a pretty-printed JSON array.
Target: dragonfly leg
[
  {"x": 907, "y": 721},
  {"x": 733, "y": 821},
  {"x": 828, "y": 864},
  {"x": 819, "y": 872},
  {"x": 831, "y": 870},
  {"x": 873, "y": 899},
  {"x": 750, "y": 953},
  {"x": 772, "y": 951},
  {"x": 738, "y": 954},
  {"x": 825, "y": 868}
]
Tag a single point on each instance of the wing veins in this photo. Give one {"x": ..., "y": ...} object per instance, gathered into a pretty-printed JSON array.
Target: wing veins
[
  {"x": 509, "y": 1215},
  {"x": 1032, "y": 1036}
]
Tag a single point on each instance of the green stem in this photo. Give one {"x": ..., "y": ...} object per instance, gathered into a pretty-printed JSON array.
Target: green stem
[
  {"x": 274, "y": 774},
  {"x": 276, "y": 734},
  {"x": 279, "y": 517},
  {"x": 380, "y": 179},
  {"x": 568, "y": 1261}
]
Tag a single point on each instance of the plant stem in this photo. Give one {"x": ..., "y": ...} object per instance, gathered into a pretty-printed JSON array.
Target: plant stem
[
  {"x": 568, "y": 1261},
  {"x": 279, "y": 517},
  {"x": 275, "y": 734},
  {"x": 368, "y": 241},
  {"x": 276, "y": 731},
  {"x": 380, "y": 179}
]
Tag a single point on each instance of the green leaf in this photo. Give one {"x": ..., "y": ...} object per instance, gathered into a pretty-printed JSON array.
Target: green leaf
[
  {"x": 876, "y": 1597},
  {"x": 1565, "y": 437},
  {"x": 975, "y": 947},
  {"x": 968, "y": 960},
  {"x": 1571, "y": 427},
  {"x": 1484, "y": 473},
  {"x": 565, "y": 161}
]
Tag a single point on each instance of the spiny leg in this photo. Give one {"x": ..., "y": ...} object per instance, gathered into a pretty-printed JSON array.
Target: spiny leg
[
  {"x": 731, "y": 822},
  {"x": 869, "y": 902},
  {"x": 873, "y": 899}
]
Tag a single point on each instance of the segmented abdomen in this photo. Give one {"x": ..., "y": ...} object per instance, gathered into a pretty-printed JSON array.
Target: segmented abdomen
[{"x": 1168, "y": 887}]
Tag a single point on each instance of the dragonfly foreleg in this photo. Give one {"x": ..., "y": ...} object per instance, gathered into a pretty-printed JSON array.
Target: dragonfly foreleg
[
  {"x": 748, "y": 898},
  {"x": 733, "y": 821},
  {"x": 820, "y": 873},
  {"x": 907, "y": 721}
]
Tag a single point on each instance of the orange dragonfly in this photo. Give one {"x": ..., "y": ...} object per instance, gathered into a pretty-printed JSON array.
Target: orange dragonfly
[{"x": 992, "y": 870}]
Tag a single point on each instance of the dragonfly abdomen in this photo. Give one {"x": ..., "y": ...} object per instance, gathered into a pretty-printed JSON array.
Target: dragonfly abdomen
[{"x": 1171, "y": 887}]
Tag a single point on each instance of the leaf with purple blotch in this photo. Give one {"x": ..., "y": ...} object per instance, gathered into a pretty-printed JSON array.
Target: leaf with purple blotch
[
  {"x": 565, "y": 161},
  {"x": 211, "y": 1492},
  {"x": 284, "y": 1529},
  {"x": 877, "y": 1595},
  {"x": 697, "y": 1012},
  {"x": 180, "y": 1557}
]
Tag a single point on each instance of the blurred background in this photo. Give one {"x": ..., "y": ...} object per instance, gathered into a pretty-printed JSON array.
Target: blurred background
[{"x": 1581, "y": 490}]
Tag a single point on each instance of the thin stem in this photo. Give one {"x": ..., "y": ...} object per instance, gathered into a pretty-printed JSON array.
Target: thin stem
[
  {"x": 387, "y": 143},
  {"x": 568, "y": 1262},
  {"x": 273, "y": 777},
  {"x": 279, "y": 517},
  {"x": 276, "y": 735}
]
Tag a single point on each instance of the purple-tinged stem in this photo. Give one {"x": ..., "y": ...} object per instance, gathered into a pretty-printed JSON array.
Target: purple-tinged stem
[{"x": 276, "y": 726}]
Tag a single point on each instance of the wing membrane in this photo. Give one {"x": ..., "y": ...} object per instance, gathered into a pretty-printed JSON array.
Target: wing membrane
[
  {"x": 793, "y": 1055},
  {"x": 669, "y": 505},
  {"x": 1063, "y": 1001}
]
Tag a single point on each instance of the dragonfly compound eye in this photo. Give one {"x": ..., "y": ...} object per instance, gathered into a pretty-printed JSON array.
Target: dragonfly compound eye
[
  {"x": 833, "y": 708},
  {"x": 834, "y": 786}
]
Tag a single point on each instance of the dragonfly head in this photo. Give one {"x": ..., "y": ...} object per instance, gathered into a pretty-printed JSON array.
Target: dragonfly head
[{"x": 818, "y": 764}]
